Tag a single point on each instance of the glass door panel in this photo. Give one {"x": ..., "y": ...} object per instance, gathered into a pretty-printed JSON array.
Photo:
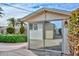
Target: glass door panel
[
  {"x": 36, "y": 36},
  {"x": 53, "y": 35}
]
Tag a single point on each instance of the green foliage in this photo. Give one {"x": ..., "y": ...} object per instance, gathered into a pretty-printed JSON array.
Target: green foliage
[
  {"x": 1, "y": 12},
  {"x": 74, "y": 23},
  {"x": 12, "y": 22},
  {"x": 22, "y": 30},
  {"x": 12, "y": 38},
  {"x": 73, "y": 36},
  {"x": 10, "y": 30},
  {"x": 11, "y": 26}
]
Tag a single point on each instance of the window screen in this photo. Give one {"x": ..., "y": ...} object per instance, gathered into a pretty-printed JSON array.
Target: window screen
[
  {"x": 35, "y": 27},
  {"x": 31, "y": 26}
]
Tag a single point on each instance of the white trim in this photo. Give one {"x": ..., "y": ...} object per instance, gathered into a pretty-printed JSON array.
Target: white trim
[{"x": 28, "y": 35}]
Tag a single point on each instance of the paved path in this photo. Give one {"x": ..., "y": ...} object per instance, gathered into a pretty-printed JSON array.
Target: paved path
[
  {"x": 18, "y": 52},
  {"x": 11, "y": 46},
  {"x": 20, "y": 49},
  {"x": 15, "y": 49}
]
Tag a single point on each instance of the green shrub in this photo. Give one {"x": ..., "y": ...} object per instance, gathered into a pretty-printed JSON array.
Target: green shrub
[
  {"x": 22, "y": 30},
  {"x": 10, "y": 30},
  {"x": 73, "y": 33},
  {"x": 13, "y": 38}
]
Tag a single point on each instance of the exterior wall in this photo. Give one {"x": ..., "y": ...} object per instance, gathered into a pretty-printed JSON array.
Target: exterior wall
[
  {"x": 3, "y": 30},
  {"x": 17, "y": 28},
  {"x": 37, "y": 34}
]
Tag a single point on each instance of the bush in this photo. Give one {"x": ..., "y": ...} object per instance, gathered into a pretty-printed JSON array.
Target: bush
[
  {"x": 10, "y": 30},
  {"x": 13, "y": 38},
  {"x": 73, "y": 33},
  {"x": 22, "y": 30}
]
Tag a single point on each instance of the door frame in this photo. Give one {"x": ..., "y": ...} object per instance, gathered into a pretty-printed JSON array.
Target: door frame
[{"x": 62, "y": 34}]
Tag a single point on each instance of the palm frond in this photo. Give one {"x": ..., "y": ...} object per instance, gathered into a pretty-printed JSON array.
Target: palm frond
[
  {"x": 1, "y": 9},
  {"x": 1, "y": 14}
]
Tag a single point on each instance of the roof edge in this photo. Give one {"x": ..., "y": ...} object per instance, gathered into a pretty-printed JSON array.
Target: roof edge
[{"x": 51, "y": 9}]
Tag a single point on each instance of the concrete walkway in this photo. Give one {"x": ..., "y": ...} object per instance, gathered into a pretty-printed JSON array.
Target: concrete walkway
[
  {"x": 11, "y": 46},
  {"x": 15, "y": 49},
  {"x": 21, "y": 49}
]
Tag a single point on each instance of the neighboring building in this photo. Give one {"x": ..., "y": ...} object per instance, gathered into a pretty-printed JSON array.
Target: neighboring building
[
  {"x": 49, "y": 30},
  {"x": 17, "y": 27},
  {"x": 2, "y": 29}
]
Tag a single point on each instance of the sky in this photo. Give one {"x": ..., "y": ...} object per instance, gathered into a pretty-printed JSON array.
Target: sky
[
  {"x": 30, "y": 7},
  {"x": 58, "y": 24}
]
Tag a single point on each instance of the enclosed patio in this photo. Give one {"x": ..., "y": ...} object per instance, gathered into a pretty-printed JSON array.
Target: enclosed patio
[{"x": 46, "y": 30}]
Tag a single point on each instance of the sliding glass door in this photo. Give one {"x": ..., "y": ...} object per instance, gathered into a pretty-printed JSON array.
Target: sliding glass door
[
  {"x": 46, "y": 36},
  {"x": 53, "y": 35}
]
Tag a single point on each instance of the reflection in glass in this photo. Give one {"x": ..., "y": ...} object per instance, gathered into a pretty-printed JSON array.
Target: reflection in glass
[
  {"x": 55, "y": 31},
  {"x": 50, "y": 38}
]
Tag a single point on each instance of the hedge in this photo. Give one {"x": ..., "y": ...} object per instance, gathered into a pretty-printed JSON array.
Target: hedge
[{"x": 13, "y": 38}]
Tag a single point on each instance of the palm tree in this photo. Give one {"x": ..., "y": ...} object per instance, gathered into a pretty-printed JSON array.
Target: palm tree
[
  {"x": 22, "y": 28},
  {"x": 11, "y": 26},
  {"x": 1, "y": 12},
  {"x": 12, "y": 22}
]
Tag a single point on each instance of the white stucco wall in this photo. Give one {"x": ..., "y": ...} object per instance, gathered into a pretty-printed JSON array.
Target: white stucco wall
[
  {"x": 37, "y": 34},
  {"x": 65, "y": 48}
]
